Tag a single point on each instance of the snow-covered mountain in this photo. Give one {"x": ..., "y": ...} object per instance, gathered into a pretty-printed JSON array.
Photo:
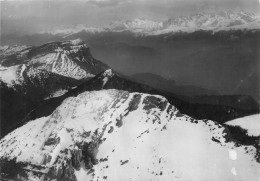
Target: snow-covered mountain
[
  {"x": 218, "y": 21},
  {"x": 117, "y": 135},
  {"x": 70, "y": 59},
  {"x": 223, "y": 20},
  {"x": 136, "y": 25}
]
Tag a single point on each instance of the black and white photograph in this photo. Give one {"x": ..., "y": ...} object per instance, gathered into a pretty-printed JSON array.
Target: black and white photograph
[{"x": 130, "y": 90}]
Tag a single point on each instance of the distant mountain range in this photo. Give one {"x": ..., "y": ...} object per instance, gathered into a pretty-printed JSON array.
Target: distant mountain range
[{"x": 222, "y": 21}]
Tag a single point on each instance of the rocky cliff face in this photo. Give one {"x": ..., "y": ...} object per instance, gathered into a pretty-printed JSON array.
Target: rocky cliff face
[{"x": 117, "y": 135}]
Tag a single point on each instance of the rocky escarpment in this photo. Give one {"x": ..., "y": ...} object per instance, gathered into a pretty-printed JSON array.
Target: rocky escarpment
[
  {"x": 94, "y": 134},
  {"x": 69, "y": 58}
]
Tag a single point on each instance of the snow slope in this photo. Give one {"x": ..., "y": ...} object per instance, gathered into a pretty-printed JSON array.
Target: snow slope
[
  {"x": 249, "y": 123},
  {"x": 117, "y": 135},
  {"x": 30, "y": 80}
]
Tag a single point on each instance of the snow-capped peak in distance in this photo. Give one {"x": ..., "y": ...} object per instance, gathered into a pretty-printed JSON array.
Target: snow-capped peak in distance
[
  {"x": 69, "y": 30},
  {"x": 208, "y": 21},
  {"x": 136, "y": 25},
  {"x": 222, "y": 20}
]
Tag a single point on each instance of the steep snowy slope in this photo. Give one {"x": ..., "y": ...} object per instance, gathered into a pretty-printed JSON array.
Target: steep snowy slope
[
  {"x": 250, "y": 123},
  {"x": 117, "y": 135}
]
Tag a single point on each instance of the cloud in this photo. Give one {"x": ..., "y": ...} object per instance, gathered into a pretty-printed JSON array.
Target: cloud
[{"x": 105, "y": 3}]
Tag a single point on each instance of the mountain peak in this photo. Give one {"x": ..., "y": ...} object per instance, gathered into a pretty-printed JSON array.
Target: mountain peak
[
  {"x": 69, "y": 58},
  {"x": 90, "y": 135}
]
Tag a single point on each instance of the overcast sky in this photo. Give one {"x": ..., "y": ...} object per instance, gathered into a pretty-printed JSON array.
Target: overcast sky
[{"x": 33, "y": 15}]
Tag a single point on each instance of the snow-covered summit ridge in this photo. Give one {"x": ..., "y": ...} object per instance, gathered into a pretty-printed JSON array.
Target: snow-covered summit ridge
[{"x": 141, "y": 136}]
